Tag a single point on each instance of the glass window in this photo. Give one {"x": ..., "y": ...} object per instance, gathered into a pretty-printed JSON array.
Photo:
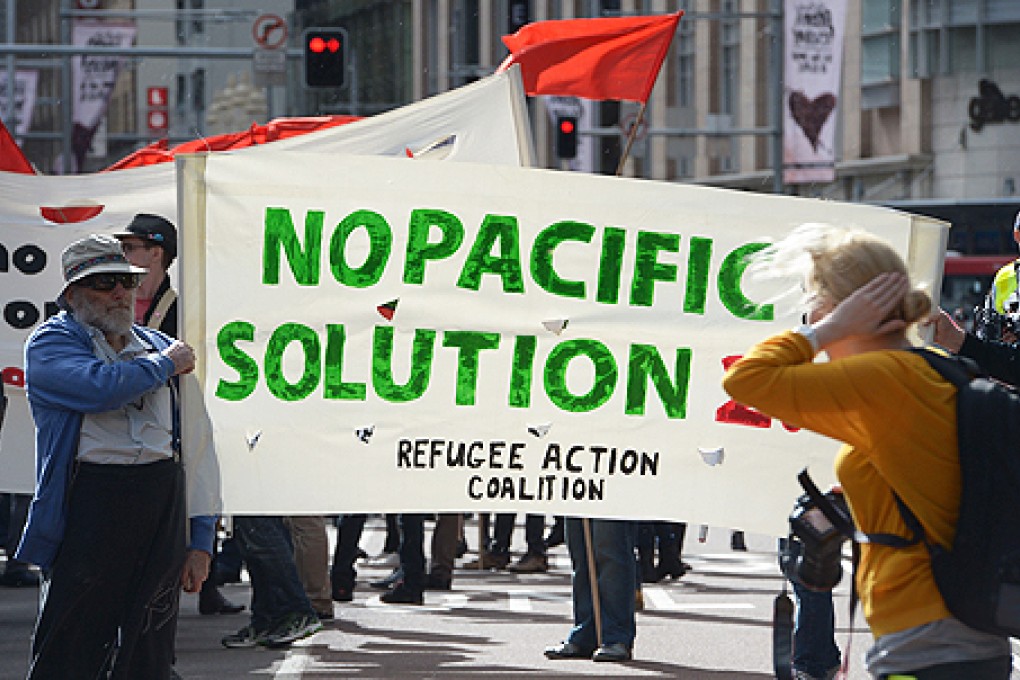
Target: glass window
[
  {"x": 880, "y": 58},
  {"x": 730, "y": 61}
]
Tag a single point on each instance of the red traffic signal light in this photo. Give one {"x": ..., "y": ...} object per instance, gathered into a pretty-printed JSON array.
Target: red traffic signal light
[
  {"x": 325, "y": 57},
  {"x": 566, "y": 137}
]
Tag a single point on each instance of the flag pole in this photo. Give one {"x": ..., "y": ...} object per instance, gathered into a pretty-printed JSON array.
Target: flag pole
[
  {"x": 630, "y": 137},
  {"x": 644, "y": 103}
]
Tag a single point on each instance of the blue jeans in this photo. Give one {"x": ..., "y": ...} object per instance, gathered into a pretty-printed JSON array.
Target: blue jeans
[
  {"x": 616, "y": 572},
  {"x": 814, "y": 643},
  {"x": 276, "y": 590}
]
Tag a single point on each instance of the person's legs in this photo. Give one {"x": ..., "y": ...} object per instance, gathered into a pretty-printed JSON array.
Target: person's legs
[
  {"x": 409, "y": 589},
  {"x": 343, "y": 573},
  {"x": 117, "y": 571},
  {"x": 583, "y": 633},
  {"x": 814, "y": 635},
  {"x": 670, "y": 537},
  {"x": 392, "y": 542},
  {"x": 16, "y": 573},
  {"x": 445, "y": 536},
  {"x": 646, "y": 552},
  {"x": 502, "y": 535},
  {"x": 613, "y": 543},
  {"x": 311, "y": 558},
  {"x": 534, "y": 560},
  {"x": 276, "y": 588}
]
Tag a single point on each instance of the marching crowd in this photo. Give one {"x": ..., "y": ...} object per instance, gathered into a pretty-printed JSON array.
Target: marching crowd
[{"x": 108, "y": 527}]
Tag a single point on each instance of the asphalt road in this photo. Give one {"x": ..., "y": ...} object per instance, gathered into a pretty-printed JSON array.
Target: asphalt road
[{"x": 713, "y": 623}]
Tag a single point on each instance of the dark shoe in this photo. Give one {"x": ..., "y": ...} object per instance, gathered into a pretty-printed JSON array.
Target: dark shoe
[
  {"x": 530, "y": 564},
  {"x": 20, "y": 578},
  {"x": 362, "y": 555},
  {"x": 567, "y": 650},
  {"x": 293, "y": 628},
  {"x": 400, "y": 594},
  {"x": 224, "y": 576},
  {"x": 554, "y": 539},
  {"x": 489, "y": 561},
  {"x": 673, "y": 571},
  {"x": 342, "y": 594},
  {"x": 462, "y": 548},
  {"x": 324, "y": 615},
  {"x": 390, "y": 581},
  {"x": 616, "y": 651},
  {"x": 245, "y": 638},
  {"x": 737, "y": 541},
  {"x": 211, "y": 601},
  {"x": 437, "y": 582}
]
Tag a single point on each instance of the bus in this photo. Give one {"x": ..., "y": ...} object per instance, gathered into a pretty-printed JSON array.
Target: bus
[{"x": 966, "y": 280}]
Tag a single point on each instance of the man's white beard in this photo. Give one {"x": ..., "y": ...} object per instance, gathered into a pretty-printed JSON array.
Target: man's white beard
[{"x": 116, "y": 320}]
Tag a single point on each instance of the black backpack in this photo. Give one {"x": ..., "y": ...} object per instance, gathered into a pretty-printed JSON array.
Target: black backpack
[{"x": 979, "y": 576}]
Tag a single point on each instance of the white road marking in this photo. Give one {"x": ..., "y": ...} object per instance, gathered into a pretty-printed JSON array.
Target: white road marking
[
  {"x": 518, "y": 602},
  {"x": 660, "y": 599}
]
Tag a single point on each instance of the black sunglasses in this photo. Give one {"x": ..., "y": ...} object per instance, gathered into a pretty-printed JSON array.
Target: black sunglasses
[{"x": 107, "y": 282}]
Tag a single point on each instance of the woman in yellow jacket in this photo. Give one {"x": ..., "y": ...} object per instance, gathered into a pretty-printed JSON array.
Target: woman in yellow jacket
[{"x": 897, "y": 419}]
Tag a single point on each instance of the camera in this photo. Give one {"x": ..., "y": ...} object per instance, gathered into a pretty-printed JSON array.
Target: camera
[
  {"x": 813, "y": 552},
  {"x": 992, "y": 325}
]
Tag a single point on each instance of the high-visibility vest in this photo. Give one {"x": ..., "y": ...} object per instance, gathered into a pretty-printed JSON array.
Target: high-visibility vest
[{"x": 1004, "y": 287}]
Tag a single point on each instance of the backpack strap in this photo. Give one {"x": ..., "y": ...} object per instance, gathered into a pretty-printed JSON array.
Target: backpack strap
[
  {"x": 956, "y": 369},
  {"x": 846, "y": 527}
]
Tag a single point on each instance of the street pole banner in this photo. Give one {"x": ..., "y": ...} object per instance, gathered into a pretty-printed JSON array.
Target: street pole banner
[
  {"x": 40, "y": 215},
  {"x": 814, "y": 32},
  {"x": 93, "y": 77},
  {"x": 419, "y": 336},
  {"x": 25, "y": 87}
]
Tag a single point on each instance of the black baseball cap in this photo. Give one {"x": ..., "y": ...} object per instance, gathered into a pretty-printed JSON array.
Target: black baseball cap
[{"x": 154, "y": 229}]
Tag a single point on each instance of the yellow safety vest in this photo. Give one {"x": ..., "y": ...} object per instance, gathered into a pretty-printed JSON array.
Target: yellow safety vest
[{"x": 1004, "y": 287}]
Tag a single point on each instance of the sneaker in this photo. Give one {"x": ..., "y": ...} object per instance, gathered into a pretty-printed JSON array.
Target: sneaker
[
  {"x": 245, "y": 638},
  {"x": 489, "y": 561},
  {"x": 401, "y": 594},
  {"x": 616, "y": 651},
  {"x": 293, "y": 628},
  {"x": 396, "y": 576},
  {"x": 530, "y": 564}
]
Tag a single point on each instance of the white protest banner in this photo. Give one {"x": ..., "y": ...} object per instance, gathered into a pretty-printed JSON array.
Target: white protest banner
[
  {"x": 812, "y": 72},
  {"x": 483, "y": 122},
  {"x": 40, "y": 215},
  {"x": 26, "y": 83},
  {"x": 423, "y": 336}
]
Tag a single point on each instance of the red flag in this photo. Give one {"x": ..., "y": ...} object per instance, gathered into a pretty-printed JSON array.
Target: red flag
[
  {"x": 11, "y": 157},
  {"x": 615, "y": 58}
]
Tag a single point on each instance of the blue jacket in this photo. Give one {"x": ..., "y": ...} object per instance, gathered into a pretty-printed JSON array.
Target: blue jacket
[{"x": 64, "y": 381}]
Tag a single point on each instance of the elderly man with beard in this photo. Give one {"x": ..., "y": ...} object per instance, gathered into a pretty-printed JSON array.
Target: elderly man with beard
[{"x": 107, "y": 520}]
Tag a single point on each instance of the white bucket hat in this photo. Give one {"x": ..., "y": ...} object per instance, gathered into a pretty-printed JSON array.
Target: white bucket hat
[{"x": 94, "y": 254}]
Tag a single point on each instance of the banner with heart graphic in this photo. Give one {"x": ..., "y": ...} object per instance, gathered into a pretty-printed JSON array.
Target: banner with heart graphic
[{"x": 813, "y": 68}]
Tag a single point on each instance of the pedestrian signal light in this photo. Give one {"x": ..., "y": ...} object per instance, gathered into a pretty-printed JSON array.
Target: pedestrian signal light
[
  {"x": 566, "y": 136},
  {"x": 325, "y": 51}
]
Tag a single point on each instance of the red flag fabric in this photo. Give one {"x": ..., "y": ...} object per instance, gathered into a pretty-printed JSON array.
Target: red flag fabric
[
  {"x": 611, "y": 58},
  {"x": 278, "y": 128},
  {"x": 11, "y": 157}
]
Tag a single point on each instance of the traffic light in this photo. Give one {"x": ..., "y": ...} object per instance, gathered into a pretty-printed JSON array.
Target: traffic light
[
  {"x": 566, "y": 136},
  {"x": 325, "y": 50}
]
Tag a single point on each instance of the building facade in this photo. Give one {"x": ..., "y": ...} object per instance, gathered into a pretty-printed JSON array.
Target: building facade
[{"x": 930, "y": 88}]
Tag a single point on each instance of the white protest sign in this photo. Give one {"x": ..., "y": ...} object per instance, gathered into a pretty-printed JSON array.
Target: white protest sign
[
  {"x": 430, "y": 336},
  {"x": 40, "y": 215}
]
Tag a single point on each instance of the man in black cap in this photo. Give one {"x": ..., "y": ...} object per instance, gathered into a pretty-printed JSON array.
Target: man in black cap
[{"x": 150, "y": 241}]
